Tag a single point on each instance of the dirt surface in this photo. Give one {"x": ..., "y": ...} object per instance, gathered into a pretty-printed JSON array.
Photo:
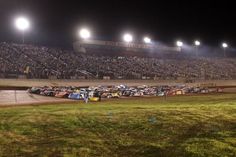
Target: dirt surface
[
  {"x": 47, "y": 82},
  {"x": 20, "y": 97},
  {"x": 13, "y": 91}
]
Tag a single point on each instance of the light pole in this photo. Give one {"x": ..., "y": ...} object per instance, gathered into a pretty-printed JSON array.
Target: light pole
[
  {"x": 179, "y": 44},
  {"x": 197, "y": 44},
  {"x": 22, "y": 24},
  {"x": 224, "y": 46}
]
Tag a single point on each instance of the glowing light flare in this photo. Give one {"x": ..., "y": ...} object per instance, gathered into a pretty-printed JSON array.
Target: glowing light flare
[
  {"x": 128, "y": 38},
  {"x": 224, "y": 45},
  {"x": 85, "y": 33},
  {"x": 179, "y": 43},
  {"x": 147, "y": 40},
  {"x": 22, "y": 23},
  {"x": 197, "y": 43}
]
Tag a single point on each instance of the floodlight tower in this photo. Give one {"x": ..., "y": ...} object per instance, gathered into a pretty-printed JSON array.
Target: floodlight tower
[
  {"x": 224, "y": 46},
  {"x": 197, "y": 44},
  {"x": 22, "y": 24},
  {"x": 128, "y": 38}
]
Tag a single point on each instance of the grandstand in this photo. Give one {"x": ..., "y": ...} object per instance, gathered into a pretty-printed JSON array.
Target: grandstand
[{"x": 110, "y": 60}]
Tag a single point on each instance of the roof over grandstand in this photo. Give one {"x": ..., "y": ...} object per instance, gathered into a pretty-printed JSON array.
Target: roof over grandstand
[
  {"x": 55, "y": 22},
  {"x": 123, "y": 46}
]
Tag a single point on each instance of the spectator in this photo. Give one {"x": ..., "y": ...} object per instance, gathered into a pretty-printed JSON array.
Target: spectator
[{"x": 43, "y": 63}]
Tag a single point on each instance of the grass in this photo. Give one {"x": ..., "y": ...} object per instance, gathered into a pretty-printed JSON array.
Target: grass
[{"x": 191, "y": 126}]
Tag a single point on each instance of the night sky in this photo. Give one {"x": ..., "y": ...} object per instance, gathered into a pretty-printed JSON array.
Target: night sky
[{"x": 55, "y": 22}]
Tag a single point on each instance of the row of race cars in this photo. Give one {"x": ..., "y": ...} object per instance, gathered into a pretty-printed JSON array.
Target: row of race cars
[{"x": 99, "y": 92}]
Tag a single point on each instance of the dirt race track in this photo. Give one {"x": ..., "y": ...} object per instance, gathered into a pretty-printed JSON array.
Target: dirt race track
[
  {"x": 22, "y": 97},
  {"x": 10, "y": 95},
  {"x": 37, "y": 82}
]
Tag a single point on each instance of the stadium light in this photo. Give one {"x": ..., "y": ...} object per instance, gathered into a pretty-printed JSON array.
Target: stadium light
[
  {"x": 197, "y": 43},
  {"x": 22, "y": 24},
  {"x": 84, "y": 33},
  {"x": 179, "y": 43},
  {"x": 147, "y": 40},
  {"x": 128, "y": 38},
  {"x": 224, "y": 45}
]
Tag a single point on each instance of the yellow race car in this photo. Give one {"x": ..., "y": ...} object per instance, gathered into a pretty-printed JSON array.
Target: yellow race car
[
  {"x": 94, "y": 99},
  {"x": 111, "y": 95}
]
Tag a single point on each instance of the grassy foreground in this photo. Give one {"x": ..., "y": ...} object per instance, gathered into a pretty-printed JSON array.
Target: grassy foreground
[{"x": 194, "y": 126}]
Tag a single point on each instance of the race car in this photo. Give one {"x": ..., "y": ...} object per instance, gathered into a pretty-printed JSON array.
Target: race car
[
  {"x": 34, "y": 90},
  {"x": 138, "y": 94},
  {"x": 161, "y": 93},
  {"x": 48, "y": 92},
  {"x": 76, "y": 96},
  {"x": 94, "y": 99},
  {"x": 127, "y": 93},
  {"x": 62, "y": 94},
  {"x": 110, "y": 95}
]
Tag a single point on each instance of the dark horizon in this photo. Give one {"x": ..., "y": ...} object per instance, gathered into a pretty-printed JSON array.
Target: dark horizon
[{"x": 56, "y": 23}]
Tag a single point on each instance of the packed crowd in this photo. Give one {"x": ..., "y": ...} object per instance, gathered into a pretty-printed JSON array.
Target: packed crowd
[{"x": 43, "y": 62}]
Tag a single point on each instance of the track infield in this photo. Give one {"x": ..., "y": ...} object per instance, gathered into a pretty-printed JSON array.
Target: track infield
[{"x": 179, "y": 126}]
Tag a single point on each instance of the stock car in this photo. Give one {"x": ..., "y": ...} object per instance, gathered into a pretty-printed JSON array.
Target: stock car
[
  {"x": 76, "y": 96},
  {"x": 34, "y": 90},
  {"x": 204, "y": 90},
  {"x": 160, "y": 94},
  {"x": 110, "y": 95},
  {"x": 62, "y": 94},
  {"x": 133, "y": 92},
  {"x": 80, "y": 96},
  {"x": 48, "y": 92},
  {"x": 138, "y": 94},
  {"x": 127, "y": 93},
  {"x": 149, "y": 91}
]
